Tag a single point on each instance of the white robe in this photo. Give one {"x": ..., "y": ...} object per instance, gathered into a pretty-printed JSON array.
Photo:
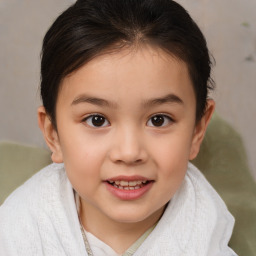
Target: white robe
[{"x": 40, "y": 218}]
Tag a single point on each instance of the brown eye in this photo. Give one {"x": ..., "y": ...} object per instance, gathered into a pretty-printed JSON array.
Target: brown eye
[
  {"x": 96, "y": 121},
  {"x": 159, "y": 121}
]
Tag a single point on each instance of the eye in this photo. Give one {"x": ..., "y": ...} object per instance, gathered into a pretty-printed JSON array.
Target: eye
[
  {"x": 97, "y": 121},
  {"x": 159, "y": 120}
]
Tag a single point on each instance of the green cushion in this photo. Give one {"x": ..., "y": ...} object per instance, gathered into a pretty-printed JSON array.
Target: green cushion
[
  {"x": 17, "y": 164},
  {"x": 223, "y": 161}
]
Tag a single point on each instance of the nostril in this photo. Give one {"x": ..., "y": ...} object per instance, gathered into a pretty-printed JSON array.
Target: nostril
[{"x": 138, "y": 161}]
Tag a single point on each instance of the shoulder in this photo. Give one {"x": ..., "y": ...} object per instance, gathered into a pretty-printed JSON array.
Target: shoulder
[
  {"x": 21, "y": 211},
  {"x": 197, "y": 221},
  {"x": 204, "y": 190},
  {"x": 33, "y": 193},
  {"x": 30, "y": 192},
  {"x": 206, "y": 196},
  {"x": 218, "y": 221},
  {"x": 40, "y": 216}
]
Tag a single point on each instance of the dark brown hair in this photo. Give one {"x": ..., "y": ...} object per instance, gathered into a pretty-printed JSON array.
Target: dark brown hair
[{"x": 91, "y": 27}]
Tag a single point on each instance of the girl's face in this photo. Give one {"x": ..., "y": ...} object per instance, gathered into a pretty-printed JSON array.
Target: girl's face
[{"x": 126, "y": 130}]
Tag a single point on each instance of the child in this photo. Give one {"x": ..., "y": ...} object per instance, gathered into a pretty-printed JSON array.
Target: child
[{"x": 125, "y": 88}]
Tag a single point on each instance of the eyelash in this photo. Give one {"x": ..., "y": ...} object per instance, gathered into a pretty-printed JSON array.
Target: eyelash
[
  {"x": 103, "y": 122},
  {"x": 165, "y": 118},
  {"x": 85, "y": 120}
]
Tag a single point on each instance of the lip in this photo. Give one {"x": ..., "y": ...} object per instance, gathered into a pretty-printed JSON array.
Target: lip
[{"x": 128, "y": 195}]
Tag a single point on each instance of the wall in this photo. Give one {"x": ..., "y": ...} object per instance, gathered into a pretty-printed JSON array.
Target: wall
[
  {"x": 23, "y": 24},
  {"x": 230, "y": 29},
  {"x": 229, "y": 26}
]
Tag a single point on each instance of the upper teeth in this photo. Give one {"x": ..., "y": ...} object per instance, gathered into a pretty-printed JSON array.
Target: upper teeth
[{"x": 124, "y": 183}]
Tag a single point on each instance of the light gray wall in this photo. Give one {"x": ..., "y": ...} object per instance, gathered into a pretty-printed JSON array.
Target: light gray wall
[
  {"x": 230, "y": 29},
  {"x": 24, "y": 22}
]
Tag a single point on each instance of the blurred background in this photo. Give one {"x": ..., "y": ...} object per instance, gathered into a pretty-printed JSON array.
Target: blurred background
[{"x": 229, "y": 27}]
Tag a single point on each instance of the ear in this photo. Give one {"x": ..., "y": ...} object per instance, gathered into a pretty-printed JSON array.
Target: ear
[
  {"x": 50, "y": 134},
  {"x": 200, "y": 129}
]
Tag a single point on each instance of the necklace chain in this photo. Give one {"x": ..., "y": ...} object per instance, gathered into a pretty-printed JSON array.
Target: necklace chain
[{"x": 86, "y": 243}]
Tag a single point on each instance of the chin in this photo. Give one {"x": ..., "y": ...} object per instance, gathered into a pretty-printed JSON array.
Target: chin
[{"x": 135, "y": 215}]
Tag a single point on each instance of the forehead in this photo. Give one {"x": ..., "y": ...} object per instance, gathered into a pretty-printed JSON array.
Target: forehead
[{"x": 138, "y": 73}]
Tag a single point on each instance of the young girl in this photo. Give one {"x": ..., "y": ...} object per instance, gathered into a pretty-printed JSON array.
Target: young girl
[{"x": 124, "y": 85}]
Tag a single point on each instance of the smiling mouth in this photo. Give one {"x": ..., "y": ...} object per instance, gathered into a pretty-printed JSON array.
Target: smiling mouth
[{"x": 128, "y": 185}]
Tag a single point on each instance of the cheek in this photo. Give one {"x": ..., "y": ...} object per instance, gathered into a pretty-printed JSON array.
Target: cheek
[
  {"x": 173, "y": 152},
  {"x": 82, "y": 158},
  {"x": 78, "y": 146},
  {"x": 172, "y": 160},
  {"x": 83, "y": 169},
  {"x": 171, "y": 172}
]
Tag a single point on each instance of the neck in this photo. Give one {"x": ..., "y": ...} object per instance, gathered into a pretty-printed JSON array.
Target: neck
[{"x": 118, "y": 235}]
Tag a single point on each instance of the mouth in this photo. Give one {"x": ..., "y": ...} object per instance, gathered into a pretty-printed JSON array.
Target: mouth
[{"x": 128, "y": 185}]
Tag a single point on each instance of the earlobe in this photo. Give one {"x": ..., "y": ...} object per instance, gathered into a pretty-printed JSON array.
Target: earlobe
[
  {"x": 200, "y": 129},
  {"x": 50, "y": 134}
]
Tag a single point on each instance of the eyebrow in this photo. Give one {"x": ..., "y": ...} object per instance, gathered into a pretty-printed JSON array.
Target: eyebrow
[
  {"x": 170, "y": 98},
  {"x": 92, "y": 100}
]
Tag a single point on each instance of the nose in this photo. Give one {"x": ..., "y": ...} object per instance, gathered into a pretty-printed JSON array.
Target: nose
[{"x": 128, "y": 147}]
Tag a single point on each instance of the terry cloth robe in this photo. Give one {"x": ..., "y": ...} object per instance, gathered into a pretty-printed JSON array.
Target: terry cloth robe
[{"x": 40, "y": 218}]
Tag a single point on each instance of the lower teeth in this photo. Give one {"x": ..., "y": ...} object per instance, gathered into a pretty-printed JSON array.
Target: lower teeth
[{"x": 127, "y": 188}]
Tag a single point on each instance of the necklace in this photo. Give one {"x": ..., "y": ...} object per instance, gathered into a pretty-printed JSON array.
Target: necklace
[
  {"x": 86, "y": 243},
  {"x": 78, "y": 208}
]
